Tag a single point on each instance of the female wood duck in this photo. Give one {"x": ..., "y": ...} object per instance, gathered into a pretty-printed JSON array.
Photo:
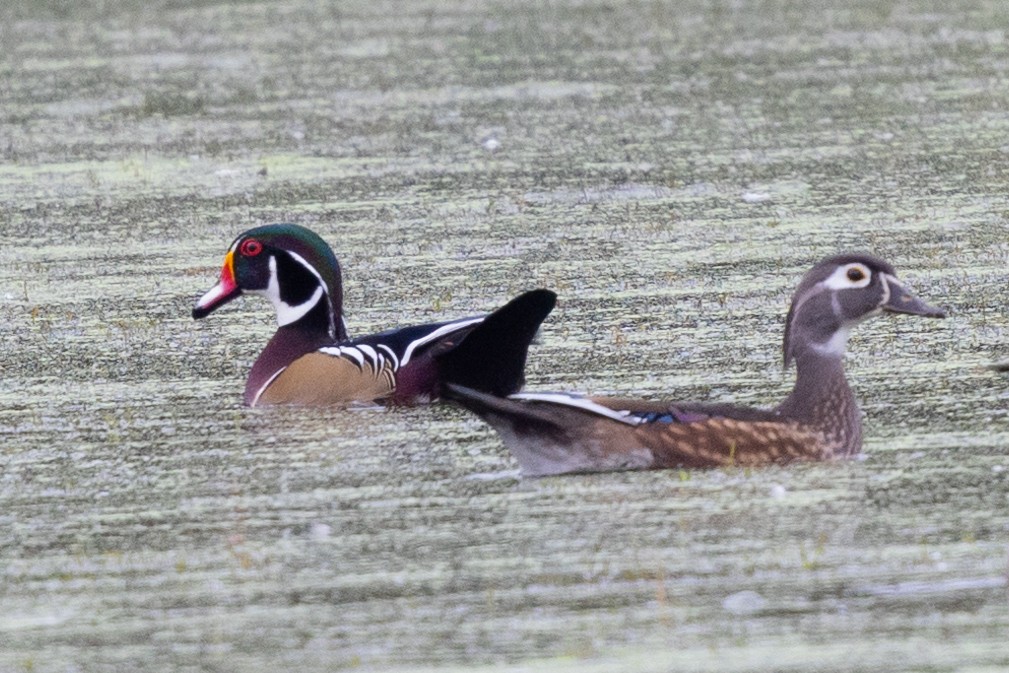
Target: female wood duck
[
  {"x": 312, "y": 361},
  {"x": 554, "y": 433}
]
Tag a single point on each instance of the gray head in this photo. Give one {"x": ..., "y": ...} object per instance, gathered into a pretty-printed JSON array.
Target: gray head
[{"x": 837, "y": 294}]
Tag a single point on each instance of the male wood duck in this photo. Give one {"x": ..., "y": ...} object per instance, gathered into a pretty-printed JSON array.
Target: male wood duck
[
  {"x": 311, "y": 360},
  {"x": 555, "y": 433}
]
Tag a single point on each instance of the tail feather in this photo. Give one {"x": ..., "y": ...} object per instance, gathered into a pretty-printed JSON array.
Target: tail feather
[
  {"x": 549, "y": 438},
  {"x": 492, "y": 357},
  {"x": 521, "y": 419}
]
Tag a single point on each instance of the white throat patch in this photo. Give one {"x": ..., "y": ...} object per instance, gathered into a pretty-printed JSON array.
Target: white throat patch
[
  {"x": 286, "y": 313},
  {"x": 836, "y": 344}
]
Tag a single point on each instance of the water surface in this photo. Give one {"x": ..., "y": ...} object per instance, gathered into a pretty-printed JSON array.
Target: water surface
[{"x": 670, "y": 169}]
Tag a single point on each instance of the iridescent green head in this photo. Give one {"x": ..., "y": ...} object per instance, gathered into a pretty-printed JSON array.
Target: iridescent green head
[{"x": 289, "y": 265}]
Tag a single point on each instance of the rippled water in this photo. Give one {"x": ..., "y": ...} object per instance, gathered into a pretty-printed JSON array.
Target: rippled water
[{"x": 670, "y": 170}]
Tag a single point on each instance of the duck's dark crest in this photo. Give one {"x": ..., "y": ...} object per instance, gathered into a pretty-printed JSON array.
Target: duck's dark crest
[{"x": 310, "y": 360}]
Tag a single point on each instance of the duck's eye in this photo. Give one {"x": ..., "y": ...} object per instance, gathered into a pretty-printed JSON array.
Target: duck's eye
[
  {"x": 251, "y": 247},
  {"x": 856, "y": 274}
]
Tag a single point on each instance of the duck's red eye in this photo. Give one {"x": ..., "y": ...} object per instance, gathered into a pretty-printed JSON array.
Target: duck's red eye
[{"x": 250, "y": 247}]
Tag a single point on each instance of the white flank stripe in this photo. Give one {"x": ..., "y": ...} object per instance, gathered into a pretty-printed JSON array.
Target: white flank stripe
[
  {"x": 370, "y": 353},
  {"x": 583, "y": 403},
  {"x": 349, "y": 352},
  {"x": 352, "y": 353},
  {"x": 262, "y": 389},
  {"x": 392, "y": 355},
  {"x": 437, "y": 334}
]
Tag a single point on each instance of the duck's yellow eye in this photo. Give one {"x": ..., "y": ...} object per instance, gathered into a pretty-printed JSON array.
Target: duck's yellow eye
[{"x": 856, "y": 274}]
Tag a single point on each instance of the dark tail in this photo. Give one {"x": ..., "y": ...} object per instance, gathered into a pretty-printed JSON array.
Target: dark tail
[
  {"x": 506, "y": 414},
  {"x": 549, "y": 439},
  {"x": 492, "y": 357},
  {"x": 541, "y": 445}
]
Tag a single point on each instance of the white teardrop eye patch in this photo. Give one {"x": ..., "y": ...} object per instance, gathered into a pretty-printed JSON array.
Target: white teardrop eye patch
[{"x": 849, "y": 276}]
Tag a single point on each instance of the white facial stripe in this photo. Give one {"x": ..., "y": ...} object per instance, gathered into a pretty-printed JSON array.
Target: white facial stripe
[
  {"x": 301, "y": 260},
  {"x": 836, "y": 345},
  {"x": 322, "y": 283},
  {"x": 887, "y": 279},
  {"x": 839, "y": 280},
  {"x": 287, "y": 314}
]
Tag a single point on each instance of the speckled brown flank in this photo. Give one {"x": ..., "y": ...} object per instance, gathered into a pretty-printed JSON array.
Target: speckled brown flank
[{"x": 723, "y": 441}]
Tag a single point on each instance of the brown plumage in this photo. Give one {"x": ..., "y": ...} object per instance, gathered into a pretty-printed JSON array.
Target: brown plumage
[
  {"x": 317, "y": 379},
  {"x": 554, "y": 433}
]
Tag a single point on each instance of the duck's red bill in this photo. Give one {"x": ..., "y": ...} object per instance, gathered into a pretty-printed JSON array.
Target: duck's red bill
[{"x": 219, "y": 295}]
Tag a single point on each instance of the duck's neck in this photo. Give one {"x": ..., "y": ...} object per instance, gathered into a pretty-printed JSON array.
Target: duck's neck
[
  {"x": 822, "y": 399},
  {"x": 303, "y": 299},
  {"x": 323, "y": 320}
]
